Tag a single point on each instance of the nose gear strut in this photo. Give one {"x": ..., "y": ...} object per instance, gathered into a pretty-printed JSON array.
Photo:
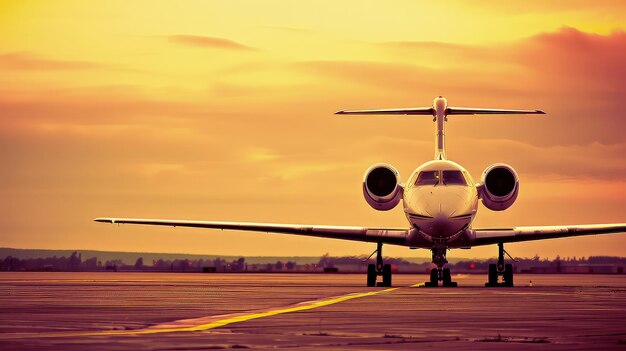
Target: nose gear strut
[{"x": 440, "y": 274}]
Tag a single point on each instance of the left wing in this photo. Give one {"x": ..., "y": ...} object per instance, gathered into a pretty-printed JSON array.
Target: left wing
[
  {"x": 384, "y": 235},
  {"x": 428, "y": 111},
  {"x": 509, "y": 235}
]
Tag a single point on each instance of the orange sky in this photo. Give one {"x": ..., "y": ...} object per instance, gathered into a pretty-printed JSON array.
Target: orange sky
[{"x": 223, "y": 111}]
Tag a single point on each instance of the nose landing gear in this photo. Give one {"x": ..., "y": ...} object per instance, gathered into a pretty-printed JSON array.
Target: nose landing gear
[
  {"x": 440, "y": 274},
  {"x": 379, "y": 269},
  {"x": 500, "y": 269}
]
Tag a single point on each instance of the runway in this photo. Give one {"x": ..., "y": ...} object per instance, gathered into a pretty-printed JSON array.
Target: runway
[{"x": 149, "y": 311}]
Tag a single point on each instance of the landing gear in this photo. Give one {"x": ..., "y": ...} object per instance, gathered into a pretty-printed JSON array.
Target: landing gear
[
  {"x": 500, "y": 269},
  {"x": 440, "y": 274},
  {"x": 374, "y": 270}
]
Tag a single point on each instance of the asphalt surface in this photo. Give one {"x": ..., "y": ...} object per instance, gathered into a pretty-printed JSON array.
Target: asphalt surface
[{"x": 148, "y": 311}]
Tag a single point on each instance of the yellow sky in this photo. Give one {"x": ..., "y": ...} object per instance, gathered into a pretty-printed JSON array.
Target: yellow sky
[{"x": 223, "y": 111}]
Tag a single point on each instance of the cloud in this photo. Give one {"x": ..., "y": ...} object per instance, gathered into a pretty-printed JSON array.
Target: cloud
[
  {"x": 93, "y": 106},
  {"x": 440, "y": 50},
  {"x": 567, "y": 59},
  {"x": 583, "y": 61},
  {"x": 208, "y": 42},
  {"x": 575, "y": 76},
  {"x": 30, "y": 61},
  {"x": 586, "y": 162}
]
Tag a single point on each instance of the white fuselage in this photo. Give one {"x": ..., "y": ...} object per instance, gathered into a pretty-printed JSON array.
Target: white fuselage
[{"x": 436, "y": 207}]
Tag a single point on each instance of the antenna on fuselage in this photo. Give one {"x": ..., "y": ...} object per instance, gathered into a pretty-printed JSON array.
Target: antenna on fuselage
[{"x": 440, "y": 112}]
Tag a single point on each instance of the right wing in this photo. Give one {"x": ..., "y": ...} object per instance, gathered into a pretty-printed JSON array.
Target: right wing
[
  {"x": 489, "y": 111},
  {"x": 387, "y": 236},
  {"x": 509, "y": 235},
  {"x": 429, "y": 111}
]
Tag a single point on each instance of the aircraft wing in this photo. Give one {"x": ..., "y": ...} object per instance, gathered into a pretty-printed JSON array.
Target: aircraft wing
[
  {"x": 509, "y": 235},
  {"x": 392, "y": 111},
  {"x": 384, "y": 235},
  {"x": 489, "y": 111}
]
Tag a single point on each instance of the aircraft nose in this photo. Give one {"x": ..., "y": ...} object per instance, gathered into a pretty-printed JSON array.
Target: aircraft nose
[{"x": 442, "y": 210}]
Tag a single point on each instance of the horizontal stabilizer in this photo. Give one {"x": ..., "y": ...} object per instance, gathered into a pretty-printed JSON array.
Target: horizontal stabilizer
[
  {"x": 489, "y": 111},
  {"x": 429, "y": 111}
]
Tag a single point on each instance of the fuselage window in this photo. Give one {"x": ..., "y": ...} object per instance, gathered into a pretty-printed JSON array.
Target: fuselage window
[
  {"x": 453, "y": 178},
  {"x": 428, "y": 178}
]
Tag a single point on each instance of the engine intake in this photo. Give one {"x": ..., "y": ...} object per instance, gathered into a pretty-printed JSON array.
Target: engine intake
[
  {"x": 381, "y": 187},
  {"x": 499, "y": 187}
]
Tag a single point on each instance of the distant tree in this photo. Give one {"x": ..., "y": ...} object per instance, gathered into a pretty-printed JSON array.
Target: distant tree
[
  {"x": 290, "y": 265},
  {"x": 241, "y": 262},
  {"x": 325, "y": 261},
  {"x": 74, "y": 261},
  {"x": 90, "y": 263},
  {"x": 279, "y": 265},
  {"x": 116, "y": 262},
  {"x": 139, "y": 263},
  {"x": 218, "y": 263}
]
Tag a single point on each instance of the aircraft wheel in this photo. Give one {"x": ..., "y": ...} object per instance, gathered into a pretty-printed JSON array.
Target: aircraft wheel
[
  {"x": 434, "y": 277},
  {"x": 386, "y": 275},
  {"x": 508, "y": 275},
  {"x": 447, "y": 277},
  {"x": 493, "y": 275},
  {"x": 371, "y": 275}
]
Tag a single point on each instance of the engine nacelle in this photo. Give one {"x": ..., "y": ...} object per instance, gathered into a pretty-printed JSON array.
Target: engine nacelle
[
  {"x": 381, "y": 187},
  {"x": 498, "y": 187}
]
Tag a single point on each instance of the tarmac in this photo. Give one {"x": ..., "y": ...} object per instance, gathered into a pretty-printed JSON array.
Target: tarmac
[{"x": 178, "y": 311}]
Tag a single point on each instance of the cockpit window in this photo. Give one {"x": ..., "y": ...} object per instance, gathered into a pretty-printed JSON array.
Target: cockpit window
[
  {"x": 453, "y": 178},
  {"x": 428, "y": 178}
]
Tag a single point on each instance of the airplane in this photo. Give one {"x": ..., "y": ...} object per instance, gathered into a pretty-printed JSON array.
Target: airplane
[{"x": 440, "y": 201}]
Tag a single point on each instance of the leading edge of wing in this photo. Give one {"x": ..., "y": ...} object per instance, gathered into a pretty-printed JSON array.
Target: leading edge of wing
[
  {"x": 429, "y": 111},
  {"x": 385, "y": 235},
  {"x": 490, "y": 111},
  {"x": 507, "y": 235}
]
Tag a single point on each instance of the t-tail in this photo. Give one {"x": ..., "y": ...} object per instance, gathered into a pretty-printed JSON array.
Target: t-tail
[{"x": 440, "y": 112}]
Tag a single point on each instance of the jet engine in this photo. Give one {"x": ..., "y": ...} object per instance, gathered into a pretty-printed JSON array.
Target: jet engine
[
  {"x": 499, "y": 187},
  {"x": 381, "y": 187}
]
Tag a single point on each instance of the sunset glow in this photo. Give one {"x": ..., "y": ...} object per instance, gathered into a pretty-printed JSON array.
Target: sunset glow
[{"x": 224, "y": 111}]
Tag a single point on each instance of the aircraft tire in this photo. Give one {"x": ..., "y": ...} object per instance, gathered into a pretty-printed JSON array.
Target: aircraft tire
[
  {"x": 493, "y": 275},
  {"x": 386, "y": 275},
  {"x": 447, "y": 277},
  {"x": 371, "y": 275},
  {"x": 434, "y": 277},
  {"x": 508, "y": 275}
]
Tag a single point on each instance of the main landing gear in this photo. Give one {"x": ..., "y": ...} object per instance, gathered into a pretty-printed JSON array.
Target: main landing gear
[
  {"x": 440, "y": 274},
  {"x": 374, "y": 270},
  {"x": 501, "y": 269}
]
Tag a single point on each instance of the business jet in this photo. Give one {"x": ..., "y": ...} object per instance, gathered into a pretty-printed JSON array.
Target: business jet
[{"x": 440, "y": 201}]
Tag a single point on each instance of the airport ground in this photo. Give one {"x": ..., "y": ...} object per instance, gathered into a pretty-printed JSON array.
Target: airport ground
[{"x": 161, "y": 311}]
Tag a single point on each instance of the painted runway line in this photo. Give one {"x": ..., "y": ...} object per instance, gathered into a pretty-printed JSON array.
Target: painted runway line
[{"x": 206, "y": 323}]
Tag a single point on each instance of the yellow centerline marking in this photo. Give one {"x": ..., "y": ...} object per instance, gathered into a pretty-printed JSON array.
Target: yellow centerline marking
[{"x": 237, "y": 318}]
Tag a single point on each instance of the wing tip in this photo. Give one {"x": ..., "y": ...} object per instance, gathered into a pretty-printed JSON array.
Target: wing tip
[
  {"x": 341, "y": 112},
  {"x": 540, "y": 112},
  {"x": 104, "y": 220}
]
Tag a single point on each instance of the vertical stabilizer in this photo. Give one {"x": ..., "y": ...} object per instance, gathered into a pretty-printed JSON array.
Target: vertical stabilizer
[{"x": 440, "y": 106}]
